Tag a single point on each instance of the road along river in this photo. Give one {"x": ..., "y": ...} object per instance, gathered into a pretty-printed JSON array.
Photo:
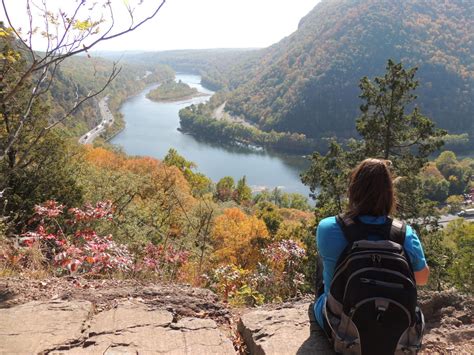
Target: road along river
[{"x": 152, "y": 129}]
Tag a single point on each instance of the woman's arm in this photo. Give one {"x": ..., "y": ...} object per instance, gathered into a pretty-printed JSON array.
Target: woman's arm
[{"x": 422, "y": 276}]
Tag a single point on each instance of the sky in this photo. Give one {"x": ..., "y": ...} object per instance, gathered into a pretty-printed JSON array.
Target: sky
[{"x": 191, "y": 24}]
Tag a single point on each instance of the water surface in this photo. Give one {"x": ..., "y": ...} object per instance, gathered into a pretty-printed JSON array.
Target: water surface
[{"x": 152, "y": 129}]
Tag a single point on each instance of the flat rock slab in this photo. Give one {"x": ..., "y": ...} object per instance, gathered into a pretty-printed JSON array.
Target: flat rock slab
[
  {"x": 130, "y": 328},
  {"x": 283, "y": 331},
  {"x": 35, "y": 327}
]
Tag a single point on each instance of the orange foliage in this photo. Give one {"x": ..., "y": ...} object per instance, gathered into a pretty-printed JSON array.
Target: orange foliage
[
  {"x": 238, "y": 238},
  {"x": 430, "y": 170},
  {"x": 291, "y": 214},
  {"x": 145, "y": 184}
]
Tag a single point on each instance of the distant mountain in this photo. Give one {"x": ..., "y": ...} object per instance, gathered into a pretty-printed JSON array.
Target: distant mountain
[
  {"x": 219, "y": 67},
  {"x": 308, "y": 82}
]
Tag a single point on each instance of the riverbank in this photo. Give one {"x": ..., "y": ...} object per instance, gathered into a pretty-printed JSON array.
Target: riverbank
[
  {"x": 172, "y": 91},
  {"x": 152, "y": 128},
  {"x": 198, "y": 121}
]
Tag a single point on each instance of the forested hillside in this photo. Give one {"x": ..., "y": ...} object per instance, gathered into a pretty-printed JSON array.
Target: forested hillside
[
  {"x": 79, "y": 75},
  {"x": 308, "y": 82},
  {"x": 219, "y": 68}
]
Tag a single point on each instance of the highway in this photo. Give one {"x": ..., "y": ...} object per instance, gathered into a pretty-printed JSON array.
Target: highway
[
  {"x": 445, "y": 219},
  {"x": 107, "y": 121}
]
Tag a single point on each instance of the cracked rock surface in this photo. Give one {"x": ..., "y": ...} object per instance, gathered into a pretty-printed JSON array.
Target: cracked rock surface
[
  {"x": 283, "y": 331},
  {"x": 71, "y": 327}
]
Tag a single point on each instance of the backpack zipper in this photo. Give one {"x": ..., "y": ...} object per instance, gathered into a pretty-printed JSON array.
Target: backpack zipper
[
  {"x": 373, "y": 269},
  {"x": 381, "y": 283},
  {"x": 355, "y": 257}
]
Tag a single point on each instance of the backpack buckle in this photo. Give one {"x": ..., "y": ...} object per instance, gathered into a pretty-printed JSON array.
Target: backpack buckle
[{"x": 380, "y": 306}]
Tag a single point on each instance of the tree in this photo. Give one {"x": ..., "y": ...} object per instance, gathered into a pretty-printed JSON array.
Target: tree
[
  {"x": 238, "y": 238},
  {"x": 454, "y": 203},
  {"x": 327, "y": 178},
  {"x": 406, "y": 139},
  {"x": 435, "y": 186},
  {"x": 225, "y": 188},
  {"x": 243, "y": 193},
  {"x": 388, "y": 131},
  {"x": 30, "y": 59},
  {"x": 200, "y": 184},
  {"x": 269, "y": 213},
  {"x": 461, "y": 234},
  {"x": 457, "y": 175}
]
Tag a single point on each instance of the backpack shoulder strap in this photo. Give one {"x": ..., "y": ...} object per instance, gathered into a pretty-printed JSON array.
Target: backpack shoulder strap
[
  {"x": 398, "y": 232},
  {"x": 349, "y": 228},
  {"x": 354, "y": 231}
]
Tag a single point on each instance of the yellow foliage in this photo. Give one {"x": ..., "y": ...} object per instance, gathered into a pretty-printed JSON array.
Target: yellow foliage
[
  {"x": 11, "y": 56},
  {"x": 292, "y": 214},
  {"x": 238, "y": 238},
  {"x": 82, "y": 25}
]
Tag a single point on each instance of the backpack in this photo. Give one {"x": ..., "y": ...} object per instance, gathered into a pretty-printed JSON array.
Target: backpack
[{"x": 372, "y": 307}]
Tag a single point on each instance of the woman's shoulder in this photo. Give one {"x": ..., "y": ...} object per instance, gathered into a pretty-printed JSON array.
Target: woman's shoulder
[
  {"x": 329, "y": 225},
  {"x": 330, "y": 238},
  {"x": 328, "y": 222}
]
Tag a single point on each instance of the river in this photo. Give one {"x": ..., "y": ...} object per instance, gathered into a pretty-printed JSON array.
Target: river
[{"x": 152, "y": 129}]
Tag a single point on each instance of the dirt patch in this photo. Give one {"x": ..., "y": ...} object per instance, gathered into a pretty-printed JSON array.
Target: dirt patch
[{"x": 449, "y": 319}]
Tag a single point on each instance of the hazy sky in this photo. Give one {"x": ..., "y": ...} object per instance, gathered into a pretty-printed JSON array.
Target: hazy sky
[{"x": 183, "y": 24}]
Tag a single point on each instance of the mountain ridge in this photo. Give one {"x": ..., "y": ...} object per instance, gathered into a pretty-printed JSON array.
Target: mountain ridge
[{"x": 308, "y": 82}]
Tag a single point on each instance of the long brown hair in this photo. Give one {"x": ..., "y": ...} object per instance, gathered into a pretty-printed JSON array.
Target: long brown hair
[{"x": 371, "y": 189}]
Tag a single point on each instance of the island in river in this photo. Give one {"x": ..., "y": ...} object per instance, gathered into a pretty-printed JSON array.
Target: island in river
[{"x": 173, "y": 91}]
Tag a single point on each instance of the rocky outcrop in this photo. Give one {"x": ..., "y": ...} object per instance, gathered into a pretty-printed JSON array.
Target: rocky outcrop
[
  {"x": 38, "y": 327},
  {"x": 291, "y": 328},
  {"x": 286, "y": 330},
  {"x": 62, "y": 327},
  {"x": 78, "y": 316}
]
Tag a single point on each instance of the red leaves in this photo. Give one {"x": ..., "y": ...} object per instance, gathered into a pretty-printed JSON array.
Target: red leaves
[
  {"x": 49, "y": 209},
  {"x": 102, "y": 210},
  {"x": 157, "y": 257},
  {"x": 82, "y": 250}
]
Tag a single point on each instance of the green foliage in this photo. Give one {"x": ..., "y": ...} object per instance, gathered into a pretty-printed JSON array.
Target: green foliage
[
  {"x": 243, "y": 193},
  {"x": 199, "y": 183},
  {"x": 198, "y": 120},
  {"x": 225, "y": 188},
  {"x": 458, "y": 142},
  {"x": 436, "y": 189},
  {"x": 461, "y": 234},
  {"x": 439, "y": 257},
  {"x": 458, "y": 174},
  {"x": 454, "y": 203},
  {"x": 283, "y": 199},
  {"x": 269, "y": 213},
  {"x": 50, "y": 174},
  {"x": 172, "y": 91},
  {"x": 388, "y": 132},
  {"x": 327, "y": 179}
]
